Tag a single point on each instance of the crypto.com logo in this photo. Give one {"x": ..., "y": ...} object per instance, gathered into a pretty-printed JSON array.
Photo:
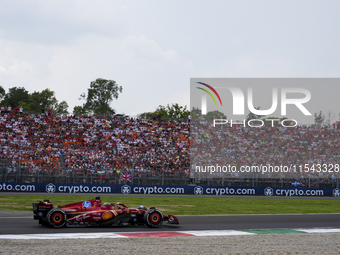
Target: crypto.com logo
[
  {"x": 50, "y": 188},
  {"x": 268, "y": 191},
  {"x": 198, "y": 190},
  {"x": 125, "y": 189},
  {"x": 239, "y": 98}
]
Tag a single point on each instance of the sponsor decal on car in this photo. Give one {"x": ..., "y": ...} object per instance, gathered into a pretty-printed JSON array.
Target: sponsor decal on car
[
  {"x": 69, "y": 210},
  {"x": 107, "y": 215},
  {"x": 44, "y": 206},
  {"x": 86, "y": 204},
  {"x": 83, "y": 217}
]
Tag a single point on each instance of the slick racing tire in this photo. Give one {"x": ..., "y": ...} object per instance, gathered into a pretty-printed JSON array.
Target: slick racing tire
[
  {"x": 56, "y": 218},
  {"x": 153, "y": 218}
]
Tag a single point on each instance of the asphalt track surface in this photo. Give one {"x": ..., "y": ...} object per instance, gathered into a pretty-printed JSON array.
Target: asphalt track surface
[{"x": 23, "y": 223}]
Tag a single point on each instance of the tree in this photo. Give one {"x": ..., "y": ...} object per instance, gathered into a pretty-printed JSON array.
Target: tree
[
  {"x": 14, "y": 96},
  {"x": 146, "y": 115},
  {"x": 33, "y": 103},
  {"x": 210, "y": 116},
  {"x": 196, "y": 113},
  {"x": 330, "y": 115},
  {"x": 44, "y": 100},
  {"x": 175, "y": 111},
  {"x": 19, "y": 97},
  {"x": 48, "y": 100},
  {"x": 99, "y": 96},
  {"x": 252, "y": 116},
  {"x": 62, "y": 107},
  {"x": 79, "y": 110},
  {"x": 162, "y": 112},
  {"x": 2, "y": 93},
  {"x": 319, "y": 119}
]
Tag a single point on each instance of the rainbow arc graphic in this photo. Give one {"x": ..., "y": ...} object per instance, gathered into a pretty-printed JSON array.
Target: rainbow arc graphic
[{"x": 204, "y": 102}]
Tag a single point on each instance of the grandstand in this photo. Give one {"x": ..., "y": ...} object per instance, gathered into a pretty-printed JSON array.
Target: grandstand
[
  {"x": 87, "y": 149},
  {"x": 300, "y": 147},
  {"x": 42, "y": 148}
]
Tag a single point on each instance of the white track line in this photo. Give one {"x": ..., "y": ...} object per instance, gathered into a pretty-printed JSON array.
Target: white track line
[
  {"x": 217, "y": 233},
  {"x": 319, "y": 230},
  {"x": 121, "y": 234},
  {"x": 15, "y": 217},
  {"x": 63, "y": 236}
]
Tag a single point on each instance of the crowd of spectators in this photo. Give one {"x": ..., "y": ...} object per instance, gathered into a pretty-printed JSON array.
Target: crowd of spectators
[
  {"x": 300, "y": 148},
  {"x": 86, "y": 145}
]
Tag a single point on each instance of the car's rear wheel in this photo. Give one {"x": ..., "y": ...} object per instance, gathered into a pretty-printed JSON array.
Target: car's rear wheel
[
  {"x": 56, "y": 218},
  {"x": 153, "y": 218}
]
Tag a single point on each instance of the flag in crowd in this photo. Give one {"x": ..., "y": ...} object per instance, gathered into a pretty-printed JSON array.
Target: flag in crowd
[
  {"x": 101, "y": 173},
  {"x": 296, "y": 184},
  {"x": 125, "y": 177}
]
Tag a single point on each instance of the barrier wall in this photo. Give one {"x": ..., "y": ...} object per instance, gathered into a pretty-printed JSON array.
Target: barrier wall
[{"x": 162, "y": 189}]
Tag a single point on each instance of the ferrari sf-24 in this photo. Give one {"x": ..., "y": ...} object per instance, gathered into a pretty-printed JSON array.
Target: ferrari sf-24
[{"x": 94, "y": 213}]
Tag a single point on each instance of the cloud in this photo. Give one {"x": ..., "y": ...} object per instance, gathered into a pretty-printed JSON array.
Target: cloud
[
  {"x": 64, "y": 45},
  {"x": 152, "y": 48},
  {"x": 148, "y": 50},
  {"x": 60, "y": 22},
  {"x": 144, "y": 69}
]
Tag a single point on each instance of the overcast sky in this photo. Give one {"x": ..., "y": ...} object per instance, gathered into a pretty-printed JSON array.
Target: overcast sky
[{"x": 153, "y": 48}]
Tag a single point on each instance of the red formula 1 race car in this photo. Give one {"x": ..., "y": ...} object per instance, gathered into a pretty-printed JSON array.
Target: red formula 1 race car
[{"x": 94, "y": 213}]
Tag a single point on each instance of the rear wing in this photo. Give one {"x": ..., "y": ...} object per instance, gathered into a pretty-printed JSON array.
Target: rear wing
[{"x": 40, "y": 209}]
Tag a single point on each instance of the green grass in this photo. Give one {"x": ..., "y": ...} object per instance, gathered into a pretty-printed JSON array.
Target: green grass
[{"x": 189, "y": 206}]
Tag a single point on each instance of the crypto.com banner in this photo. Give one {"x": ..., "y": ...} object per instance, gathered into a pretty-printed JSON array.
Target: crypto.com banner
[
  {"x": 50, "y": 188},
  {"x": 265, "y": 128}
]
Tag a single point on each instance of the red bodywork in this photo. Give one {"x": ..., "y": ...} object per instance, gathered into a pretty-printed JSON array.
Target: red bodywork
[{"x": 94, "y": 213}]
